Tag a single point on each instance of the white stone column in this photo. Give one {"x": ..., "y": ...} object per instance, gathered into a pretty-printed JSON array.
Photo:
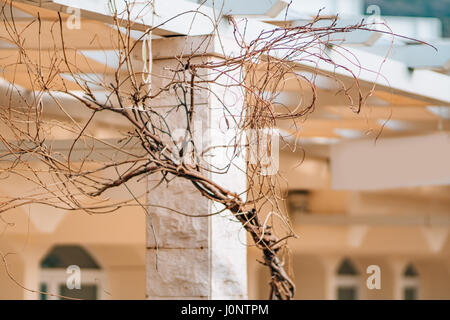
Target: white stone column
[{"x": 195, "y": 258}]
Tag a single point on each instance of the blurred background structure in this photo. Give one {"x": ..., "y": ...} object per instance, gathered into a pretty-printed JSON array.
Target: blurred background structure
[{"x": 373, "y": 188}]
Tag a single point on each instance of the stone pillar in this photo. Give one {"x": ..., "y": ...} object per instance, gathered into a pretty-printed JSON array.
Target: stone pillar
[{"x": 195, "y": 258}]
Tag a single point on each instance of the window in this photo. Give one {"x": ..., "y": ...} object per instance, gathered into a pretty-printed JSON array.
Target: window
[
  {"x": 410, "y": 283},
  {"x": 297, "y": 201},
  {"x": 347, "y": 281},
  {"x": 54, "y": 274}
]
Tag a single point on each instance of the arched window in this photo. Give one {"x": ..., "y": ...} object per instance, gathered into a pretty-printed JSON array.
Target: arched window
[
  {"x": 410, "y": 283},
  {"x": 347, "y": 281},
  {"x": 71, "y": 262}
]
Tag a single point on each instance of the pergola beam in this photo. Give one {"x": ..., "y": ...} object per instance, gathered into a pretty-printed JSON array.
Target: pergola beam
[
  {"x": 333, "y": 219},
  {"x": 421, "y": 84},
  {"x": 389, "y": 75},
  {"x": 172, "y": 19},
  {"x": 416, "y": 55}
]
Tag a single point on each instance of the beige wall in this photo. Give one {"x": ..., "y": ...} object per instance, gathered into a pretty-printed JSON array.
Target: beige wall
[
  {"x": 115, "y": 240},
  {"x": 311, "y": 278},
  {"x": 389, "y": 244},
  {"x": 9, "y": 289}
]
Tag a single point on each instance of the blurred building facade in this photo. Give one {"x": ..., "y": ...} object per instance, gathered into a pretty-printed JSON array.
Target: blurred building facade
[
  {"x": 343, "y": 234},
  {"x": 401, "y": 229}
]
